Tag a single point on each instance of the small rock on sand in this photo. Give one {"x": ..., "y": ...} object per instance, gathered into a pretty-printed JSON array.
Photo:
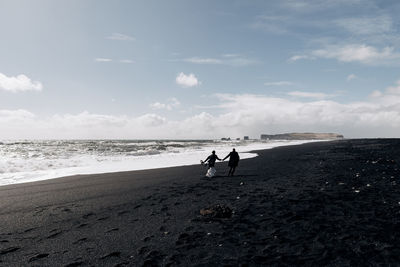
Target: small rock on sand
[{"x": 217, "y": 211}]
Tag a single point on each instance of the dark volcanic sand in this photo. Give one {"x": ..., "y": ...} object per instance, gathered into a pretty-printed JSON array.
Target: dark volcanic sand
[{"x": 329, "y": 203}]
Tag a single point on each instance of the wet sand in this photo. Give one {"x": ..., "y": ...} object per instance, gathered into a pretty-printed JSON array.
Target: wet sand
[{"x": 330, "y": 203}]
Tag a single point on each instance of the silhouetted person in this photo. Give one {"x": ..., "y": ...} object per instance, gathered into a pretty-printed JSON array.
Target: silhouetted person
[
  {"x": 211, "y": 159},
  {"x": 211, "y": 163},
  {"x": 233, "y": 161}
]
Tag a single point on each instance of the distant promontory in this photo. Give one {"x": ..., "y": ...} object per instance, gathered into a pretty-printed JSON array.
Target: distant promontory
[{"x": 301, "y": 136}]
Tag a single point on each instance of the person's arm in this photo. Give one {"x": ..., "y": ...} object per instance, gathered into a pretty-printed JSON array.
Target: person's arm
[
  {"x": 208, "y": 158},
  {"x": 218, "y": 158},
  {"x": 227, "y": 156}
]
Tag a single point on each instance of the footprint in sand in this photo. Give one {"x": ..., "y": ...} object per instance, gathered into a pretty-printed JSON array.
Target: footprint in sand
[
  {"x": 112, "y": 230},
  {"x": 164, "y": 208},
  {"x": 74, "y": 264},
  {"x": 38, "y": 257},
  {"x": 143, "y": 250},
  {"x": 80, "y": 241},
  {"x": 55, "y": 233},
  {"x": 153, "y": 258},
  {"x": 88, "y": 215},
  {"x": 8, "y": 250},
  {"x": 112, "y": 254},
  {"x": 82, "y": 225},
  {"x": 122, "y": 212},
  {"x": 147, "y": 238}
]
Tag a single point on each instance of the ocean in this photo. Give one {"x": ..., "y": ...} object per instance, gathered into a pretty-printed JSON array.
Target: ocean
[{"x": 27, "y": 161}]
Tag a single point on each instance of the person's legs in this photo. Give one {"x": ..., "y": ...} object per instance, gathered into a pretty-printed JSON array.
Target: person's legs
[
  {"x": 230, "y": 170},
  {"x": 233, "y": 170}
]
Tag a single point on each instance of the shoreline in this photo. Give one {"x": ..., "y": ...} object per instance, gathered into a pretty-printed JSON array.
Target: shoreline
[
  {"x": 145, "y": 162},
  {"x": 323, "y": 203}
]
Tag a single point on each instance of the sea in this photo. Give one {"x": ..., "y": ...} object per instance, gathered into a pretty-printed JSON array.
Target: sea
[{"x": 34, "y": 160}]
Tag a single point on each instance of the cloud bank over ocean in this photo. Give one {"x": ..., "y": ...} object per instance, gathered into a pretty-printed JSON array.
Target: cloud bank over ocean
[{"x": 238, "y": 115}]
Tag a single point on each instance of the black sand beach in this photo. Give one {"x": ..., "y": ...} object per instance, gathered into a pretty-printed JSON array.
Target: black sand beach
[{"x": 329, "y": 203}]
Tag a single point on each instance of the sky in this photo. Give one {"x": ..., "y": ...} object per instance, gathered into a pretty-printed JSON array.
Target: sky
[{"x": 186, "y": 69}]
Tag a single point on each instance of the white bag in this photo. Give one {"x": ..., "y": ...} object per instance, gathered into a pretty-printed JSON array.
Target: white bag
[{"x": 211, "y": 172}]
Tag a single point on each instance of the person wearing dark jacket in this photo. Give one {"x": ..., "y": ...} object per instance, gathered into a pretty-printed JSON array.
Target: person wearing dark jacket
[
  {"x": 211, "y": 163},
  {"x": 233, "y": 161},
  {"x": 211, "y": 159}
]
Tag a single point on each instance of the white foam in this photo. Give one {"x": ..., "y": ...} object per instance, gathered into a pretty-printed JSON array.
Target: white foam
[{"x": 32, "y": 166}]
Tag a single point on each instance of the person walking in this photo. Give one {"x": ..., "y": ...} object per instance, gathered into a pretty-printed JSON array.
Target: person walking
[
  {"x": 211, "y": 164},
  {"x": 233, "y": 161}
]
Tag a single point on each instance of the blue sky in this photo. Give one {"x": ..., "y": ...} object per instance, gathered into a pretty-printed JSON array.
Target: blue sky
[{"x": 198, "y": 69}]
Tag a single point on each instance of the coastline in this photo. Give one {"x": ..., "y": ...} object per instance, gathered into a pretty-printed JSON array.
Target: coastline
[
  {"x": 317, "y": 203},
  {"x": 56, "y": 162}
]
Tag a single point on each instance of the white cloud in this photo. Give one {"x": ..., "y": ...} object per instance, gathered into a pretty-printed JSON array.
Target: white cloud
[
  {"x": 303, "y": 20},
  {"x": 158, "y": 105},
  {"x": 19, "y": 124},
  {"x": 127, "y": 61},
  {"x": 87, "y": 119},
  {"x": 298, "y": 57},
  {"x": 198, "y": 60},
  {"x": 280, "y": 83},
  {"x": 357, "y": 53},
  {"x": 19, "y": 83},
  {"x": 120, "y": 37},
  {"x": 170, "y": 105},
  {"x": 241, "y": 61},
  {"x": 318, "y": 5},
  {"x": 351, "y": 77},
  {"x": 367, "y": 25},
  {"x": 15, "y": 115},
  {"x": 394, "y": 90},
  {"x": 235, "y": 60},
  {"x": 389, "y": 96},
  {"x": 187, "y": 80},
  {"x": 376, "y": 94},
  {"x": 256, "y": 114},
  {"x": 14, "y": 124},
  {"x": 101, "y": 59},
  {"x": 272, "y": 24},
  {"x": 152, "y": 120},
  {"x": 231, "y": 55},
  {"x": 236, "y": 114},
  {"x": 314, "y": 95}
]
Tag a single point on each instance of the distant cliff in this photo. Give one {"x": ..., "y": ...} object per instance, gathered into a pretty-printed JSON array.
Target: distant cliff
[{"x": 301, "y": 136}]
